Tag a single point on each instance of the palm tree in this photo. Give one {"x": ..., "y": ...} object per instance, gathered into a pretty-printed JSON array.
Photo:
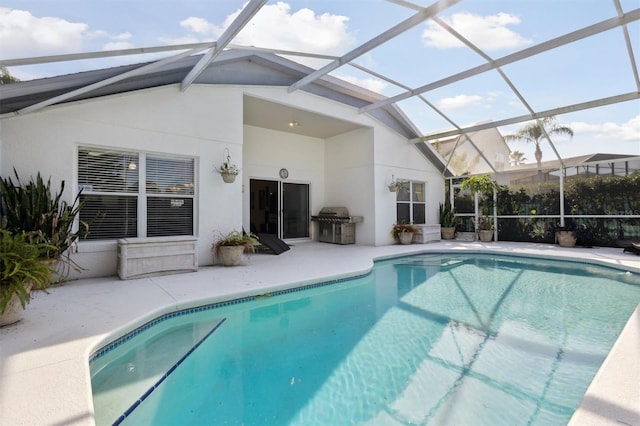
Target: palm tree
[
  {"x": 534, "y": 132},
  {"x": 6, "y": 77},
  {"x": 517, "y": 157}
]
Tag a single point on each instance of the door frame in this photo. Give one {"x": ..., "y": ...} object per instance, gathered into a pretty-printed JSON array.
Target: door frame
[{"x": 255, "y": 200}]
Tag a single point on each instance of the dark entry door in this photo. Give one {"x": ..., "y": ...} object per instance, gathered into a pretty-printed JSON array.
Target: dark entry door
[
  {"x": 264, "y": 207},
  {"x": 279, "y": 208}
]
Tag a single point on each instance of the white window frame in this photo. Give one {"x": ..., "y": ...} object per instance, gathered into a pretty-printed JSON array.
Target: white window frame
[
  {"x": 411, "y": 202},
  {"x": 142, "y": 195}
]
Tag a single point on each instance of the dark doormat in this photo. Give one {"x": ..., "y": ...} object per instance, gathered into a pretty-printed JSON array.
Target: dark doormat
[{"x": 273, "y": 244}]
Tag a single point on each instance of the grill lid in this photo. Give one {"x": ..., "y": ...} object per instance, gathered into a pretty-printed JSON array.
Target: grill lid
[{"x": 334, "y": 212}]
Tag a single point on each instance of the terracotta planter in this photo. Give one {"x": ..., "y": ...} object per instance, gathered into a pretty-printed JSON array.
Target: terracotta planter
[
  {"x": 485, "y": 235},
  {"x": 405, "y": 238},
  {"x": 231, "y": 255},
  {"x": 228, "y": 177},
  {"x": 566, "y": 238},
  {"x": 448, "y": 233}
]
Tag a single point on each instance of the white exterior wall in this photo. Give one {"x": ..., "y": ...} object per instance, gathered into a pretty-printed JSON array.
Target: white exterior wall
[
  {"x": 351, "y": 169},
  {"x": 267, "y": 151},
  {"x": 349, "y": 178},
  {"x": 200, "y": 123},
  {"x": 395, "y": 156}
]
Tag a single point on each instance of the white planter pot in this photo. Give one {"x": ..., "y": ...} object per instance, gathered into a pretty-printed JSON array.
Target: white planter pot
[
  {"x": 405, "y": 237},
  {"x": 14, "y": 311},
  {"x": 228, "y": 178},
  {"x": 485, "y": 235},
  {"x": 448, "y": 233},
  {"x": 231, "y": 255}
]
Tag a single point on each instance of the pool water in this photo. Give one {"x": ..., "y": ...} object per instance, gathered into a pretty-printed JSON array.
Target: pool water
[{"x": 428, "y": 339}]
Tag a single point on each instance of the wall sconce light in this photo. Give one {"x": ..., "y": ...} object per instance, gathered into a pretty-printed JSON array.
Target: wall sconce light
[{"x": 294, "y": 123}]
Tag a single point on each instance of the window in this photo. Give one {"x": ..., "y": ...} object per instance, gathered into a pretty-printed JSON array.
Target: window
[
  {"x": 410, "y": 202},
  {"x": 130, "y": 194}
]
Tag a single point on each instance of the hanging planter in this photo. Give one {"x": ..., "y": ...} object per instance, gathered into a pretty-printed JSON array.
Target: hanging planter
[
  {"x": 394, "y": 185},
  {"x": 228, "y": 177},
  {"x": 228, "y": 170}
]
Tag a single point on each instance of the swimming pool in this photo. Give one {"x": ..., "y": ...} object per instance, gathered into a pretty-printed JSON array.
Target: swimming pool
[{"x": 436, "y": 338}]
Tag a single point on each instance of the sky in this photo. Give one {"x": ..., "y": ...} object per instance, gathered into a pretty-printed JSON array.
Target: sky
[{"x": 579, "y": 72}]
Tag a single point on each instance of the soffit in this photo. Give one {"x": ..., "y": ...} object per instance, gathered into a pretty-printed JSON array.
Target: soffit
[{"x": 271, "y": 115}]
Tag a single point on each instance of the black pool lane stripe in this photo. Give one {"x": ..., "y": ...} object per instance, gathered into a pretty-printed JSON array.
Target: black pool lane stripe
[{"x": 165, "y": 375}]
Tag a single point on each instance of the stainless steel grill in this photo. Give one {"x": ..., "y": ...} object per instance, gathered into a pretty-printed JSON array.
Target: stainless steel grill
[{"x": 336, "y": 226}]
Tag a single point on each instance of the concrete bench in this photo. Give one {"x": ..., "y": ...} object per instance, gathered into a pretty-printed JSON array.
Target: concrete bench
[
  {"x": 145, "y": 257},
  {"x": 426, "y": 234}
]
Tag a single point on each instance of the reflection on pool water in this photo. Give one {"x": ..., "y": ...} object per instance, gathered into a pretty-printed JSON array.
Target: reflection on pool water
[{"x": 428, "y": 339}]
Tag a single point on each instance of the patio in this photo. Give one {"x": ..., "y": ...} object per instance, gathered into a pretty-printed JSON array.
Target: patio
[{"x": 44, "y": 358}]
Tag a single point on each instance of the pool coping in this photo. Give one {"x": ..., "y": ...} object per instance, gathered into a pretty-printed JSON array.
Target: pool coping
[{"x": 44, "y": 368}]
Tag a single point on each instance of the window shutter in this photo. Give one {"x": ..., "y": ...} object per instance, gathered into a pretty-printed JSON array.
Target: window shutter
[
  {"x": 170, "y": 191},
  {"x": 169, "y": 216},
  {"x": 110, "y": 216},
  {"x": 107, "y": 171},
  {"x": 169, "y": 175}
]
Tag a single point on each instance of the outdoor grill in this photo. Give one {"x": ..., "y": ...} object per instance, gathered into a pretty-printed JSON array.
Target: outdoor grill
[{"x": 336, "y": 226}]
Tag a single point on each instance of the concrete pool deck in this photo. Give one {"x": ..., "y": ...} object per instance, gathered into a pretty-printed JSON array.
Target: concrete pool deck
[{"x": 44, "y": 370}]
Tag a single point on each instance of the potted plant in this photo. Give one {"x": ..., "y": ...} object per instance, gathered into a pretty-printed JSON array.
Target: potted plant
[
  {"x": 448, "y": 221},
  {"x": 483, "y": 185},
  {"x": 230, "y": 248},
  {"x": 565, "y": 236},
  {"x": 32, "y": 208},
  {"x": 394, "y": 185},
  {"x": 403, "y": 232},
  {"x": 23, "y": 270},
  {"x": 228, "y": 170},
  {"x": 485, "y": 228}
]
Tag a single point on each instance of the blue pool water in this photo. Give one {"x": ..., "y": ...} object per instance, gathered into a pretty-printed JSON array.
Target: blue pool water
[{"x": 429, "y": 339}]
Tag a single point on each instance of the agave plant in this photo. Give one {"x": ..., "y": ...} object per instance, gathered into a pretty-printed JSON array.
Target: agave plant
[
  {"x": 448, "y": 218},
  {"x": 45, "y": 217}
]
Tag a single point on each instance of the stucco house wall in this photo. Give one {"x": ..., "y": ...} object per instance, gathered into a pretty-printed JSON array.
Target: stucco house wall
[
  {"x": 396, "y": 157},
  {"x": 199, "y": 123},
  {"x": 350, "y": 169},
  {"x": 266, "y": 151},
  {"x": 349, "y": 178}
]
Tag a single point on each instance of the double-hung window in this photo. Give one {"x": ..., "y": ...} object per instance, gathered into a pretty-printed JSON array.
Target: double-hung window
[
  {"x": 135, "y": 194},
  {"x": 410, "y": 202}
]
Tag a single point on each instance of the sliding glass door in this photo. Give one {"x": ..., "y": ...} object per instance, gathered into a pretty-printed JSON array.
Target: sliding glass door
[
  {"x": 279, "y": 208},
  {"x": 295, "y": 210}
]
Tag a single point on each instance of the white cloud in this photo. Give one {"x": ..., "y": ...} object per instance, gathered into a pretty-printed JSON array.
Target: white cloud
[
  {"x": 118, "y": 45},
  {"x": 487, "y": 32},
  {"x": 459, "y": 101},
  {"x": 23, "y": 35},
  {"x": 202, "y": 27},
  {"x": 119, "y": 42},
  {"x": 629, "y": 131},
  {"x": 276, "y": 26},
  {"x": 372, "y": 84}
]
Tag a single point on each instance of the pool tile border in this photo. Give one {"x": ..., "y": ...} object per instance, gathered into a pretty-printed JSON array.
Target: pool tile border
[
  {"x": 103, "y": 350},
  {"x": 149, "y": 391},
  {"x": 138, "y": 330}
]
